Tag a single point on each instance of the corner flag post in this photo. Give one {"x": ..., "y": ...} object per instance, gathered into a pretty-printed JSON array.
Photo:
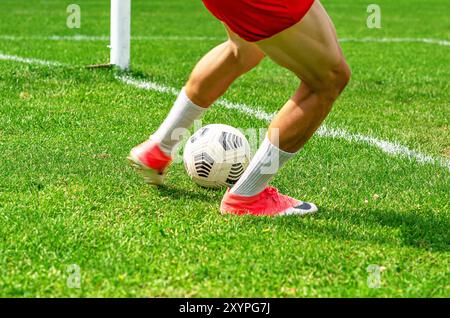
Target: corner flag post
[{"x": 120, "y": 33}]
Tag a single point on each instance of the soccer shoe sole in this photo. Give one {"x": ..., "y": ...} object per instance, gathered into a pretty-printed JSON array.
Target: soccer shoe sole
[{"x": 151, "y": 176}]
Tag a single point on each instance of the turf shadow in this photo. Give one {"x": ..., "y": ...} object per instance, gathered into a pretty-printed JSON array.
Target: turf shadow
[
  {"x": 176, "y": 193},
  {"x": 418, "y": 230}
]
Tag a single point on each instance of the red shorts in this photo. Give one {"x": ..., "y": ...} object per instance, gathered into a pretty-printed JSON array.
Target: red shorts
[{"x": 255, "y": 20}]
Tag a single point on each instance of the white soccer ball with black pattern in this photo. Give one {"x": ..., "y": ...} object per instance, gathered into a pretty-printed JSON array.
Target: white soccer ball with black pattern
[{"x": 216, "y": 156}]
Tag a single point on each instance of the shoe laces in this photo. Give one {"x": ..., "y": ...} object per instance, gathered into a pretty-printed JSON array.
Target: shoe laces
[{"x": 273, "y": 194}]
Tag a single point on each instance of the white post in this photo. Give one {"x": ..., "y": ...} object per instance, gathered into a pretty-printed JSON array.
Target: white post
[{"x": 120, "y": 33}]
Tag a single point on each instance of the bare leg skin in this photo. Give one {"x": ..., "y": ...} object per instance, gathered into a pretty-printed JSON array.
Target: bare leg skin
[
  {"x": 211, "y": 77},
  {"x": 218, "y": 69},
  {"x": 309, "y": 49}
]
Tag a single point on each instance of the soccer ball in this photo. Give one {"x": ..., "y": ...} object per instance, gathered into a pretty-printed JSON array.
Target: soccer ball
[{"x": 216, "y": 156}]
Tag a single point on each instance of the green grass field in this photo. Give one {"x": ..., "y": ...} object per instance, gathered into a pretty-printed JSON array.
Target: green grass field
[{"x": 67, "y": 195}]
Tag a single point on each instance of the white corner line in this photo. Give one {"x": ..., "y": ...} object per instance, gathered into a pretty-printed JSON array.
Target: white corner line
[
  {"x": 388, "y": 147},
  {"x": 397, "y": 40},
  {"x": 105, "y": 38},
  {"x": 28, "y": 60}
]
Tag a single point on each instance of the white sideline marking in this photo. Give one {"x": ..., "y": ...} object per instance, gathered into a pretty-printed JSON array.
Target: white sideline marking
[
  {"x": 105, "y": 38},
  {"x": 390, "y": 148},
  {"x": 397, "y": 40},
  {"x": 259, "y": 114},
  {"x": 27, "y": 60}
]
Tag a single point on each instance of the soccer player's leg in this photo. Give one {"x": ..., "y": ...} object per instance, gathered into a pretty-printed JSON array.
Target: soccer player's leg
[
  {"x": 311, "y": 51},
  {"x": 218, "y": 69},
  {"x": 209, "y": 80}
]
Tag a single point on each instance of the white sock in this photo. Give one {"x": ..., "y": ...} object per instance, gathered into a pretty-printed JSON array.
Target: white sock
[
  {"x": 263, "y": 167},
  {"x": 182, "y": 115}
]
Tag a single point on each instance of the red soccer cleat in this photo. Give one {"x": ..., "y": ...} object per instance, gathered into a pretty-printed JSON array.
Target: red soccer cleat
[
  {"x": 150, "y": 161},
  {"x": 267, "y": 203}
]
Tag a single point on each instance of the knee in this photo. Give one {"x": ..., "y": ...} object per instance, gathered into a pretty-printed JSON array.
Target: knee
[
  {"x": 345, "y": 75},
  {"x": 335, "y": 81},
  {"x": 245, "y": 56}
]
